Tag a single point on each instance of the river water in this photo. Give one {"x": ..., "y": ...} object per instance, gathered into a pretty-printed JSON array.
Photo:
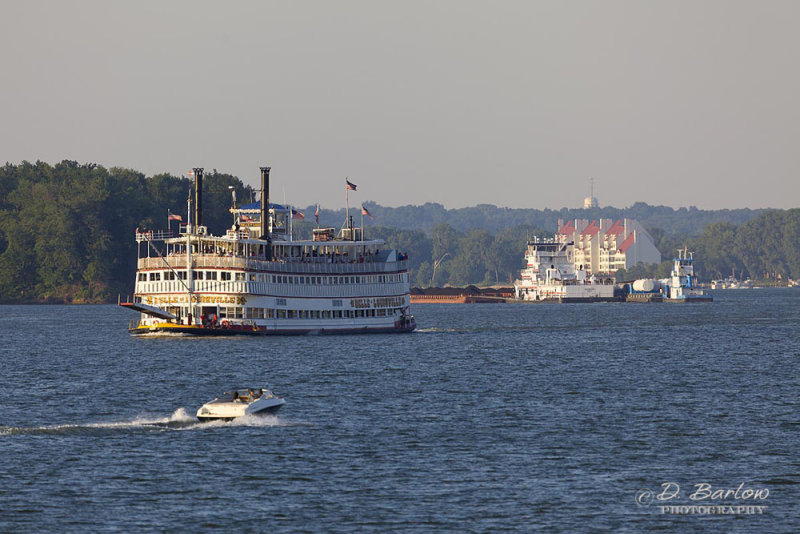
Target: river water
[{"x": 488, "y": 418}]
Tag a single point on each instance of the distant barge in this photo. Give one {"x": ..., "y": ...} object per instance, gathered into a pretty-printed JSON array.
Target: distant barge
[
  {"x": 680, "y": 287},
  {"x": 460, "y": 295}
]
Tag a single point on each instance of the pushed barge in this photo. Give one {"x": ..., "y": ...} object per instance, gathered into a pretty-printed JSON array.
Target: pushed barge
[{"x": 257, "y": 280}]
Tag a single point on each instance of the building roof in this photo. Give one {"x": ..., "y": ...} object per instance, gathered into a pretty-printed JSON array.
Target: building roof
[
  {"x": 567, "y": 229},
  {"x": 616, "y": 229},
  {"x": 628, "y": 242},
  {"x": 591, "y": 230}
]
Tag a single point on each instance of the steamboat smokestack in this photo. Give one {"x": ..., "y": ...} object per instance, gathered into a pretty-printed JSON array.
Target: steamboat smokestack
[
  {"x": 198, "y": 196},
  {"x": 265, "y": 209}
]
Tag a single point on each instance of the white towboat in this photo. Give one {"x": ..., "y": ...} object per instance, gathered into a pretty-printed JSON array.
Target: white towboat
[
  {"x": 550, "y": 276},
  {"x": 240, "y": 402},
  {"x": 681, "y": 286}
]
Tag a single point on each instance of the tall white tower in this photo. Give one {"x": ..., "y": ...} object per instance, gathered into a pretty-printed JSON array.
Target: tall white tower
[{"x": 590, "y": 201}]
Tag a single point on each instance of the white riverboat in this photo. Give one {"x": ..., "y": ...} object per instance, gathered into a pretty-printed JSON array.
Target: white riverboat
[
  {"x": 550, "y": 276},
  {"x": 681, "y": 286},
  {"x": 257, "y": 280}
]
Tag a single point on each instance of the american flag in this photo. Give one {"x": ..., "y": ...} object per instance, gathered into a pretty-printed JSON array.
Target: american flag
[
  {"x": 190, "y": 174},
  {"x": 365, "y": 211},
  {"x": 245, "y": 218},
  {"x": 350, "y": 185},
  {"x": 297, "y": 215},
  {"x": 172, "y": 217},
  {"x": 316, "y": 214}
]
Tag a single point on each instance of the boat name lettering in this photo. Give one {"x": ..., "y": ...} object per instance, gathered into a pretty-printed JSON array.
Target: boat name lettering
[
  {"x": 195, "y": 298},
  {"x": 377, "y": 302}
]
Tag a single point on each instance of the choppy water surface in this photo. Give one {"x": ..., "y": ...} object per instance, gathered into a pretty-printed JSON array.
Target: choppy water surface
[{"x": 490, "y": 417}]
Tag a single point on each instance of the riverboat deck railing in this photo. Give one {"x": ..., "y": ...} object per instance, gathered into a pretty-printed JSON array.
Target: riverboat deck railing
[
  {"x": 153, "y": 235},
  {"x": 311, "y": 267}
]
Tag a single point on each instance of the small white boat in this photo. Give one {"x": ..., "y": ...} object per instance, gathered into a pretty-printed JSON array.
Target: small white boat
[{"x": 240, "y": 402}]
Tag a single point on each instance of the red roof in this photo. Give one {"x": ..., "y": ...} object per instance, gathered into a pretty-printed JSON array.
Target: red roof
[
  {"x": 627, "y": 243},
  {"x": 591, "y": 230},
  {"x": 616, "y": 229},
  {"x": 567, "y": 229}
]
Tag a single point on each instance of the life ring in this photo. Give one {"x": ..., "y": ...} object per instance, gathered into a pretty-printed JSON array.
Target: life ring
[{"x": 225, "y": 324}]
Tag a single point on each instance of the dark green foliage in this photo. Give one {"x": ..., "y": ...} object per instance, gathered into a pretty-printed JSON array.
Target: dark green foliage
[
  {"x": 681, "y": 221},
  {"x": 67, "y": 232}
]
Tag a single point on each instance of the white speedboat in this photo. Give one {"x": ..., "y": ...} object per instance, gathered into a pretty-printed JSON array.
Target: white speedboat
[{"x": 240, "y": 402}]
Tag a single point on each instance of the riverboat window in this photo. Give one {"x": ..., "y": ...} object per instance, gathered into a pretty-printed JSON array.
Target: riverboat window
[
  {"x": 211, "y": 275},
  {"x": 254, "y": 313},
  {"x": 252, "y": 277},
  {"x": 337, "y": 302},
  {"x": 142, "y": 277},
  {"x": 224, "y": 275},
  {"x": 326, "y": 314},
  {"x": 381, "y": 313},
  {"x": 240, "y": 277},
  {"x": 155, "y": 276},
  {"x": 181, "y": 275},
  {"x": 280, "y": 314},
  {"x": 169, "y": 275}
]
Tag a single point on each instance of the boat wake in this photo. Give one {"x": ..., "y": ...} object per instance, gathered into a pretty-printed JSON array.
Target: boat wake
[{"x": 179, "y": 420}]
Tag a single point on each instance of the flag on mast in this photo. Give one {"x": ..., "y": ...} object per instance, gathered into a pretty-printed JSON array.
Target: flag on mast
[
  {"x": 190, "y": 174},
  {"x": 316, "y": 214},
  {"x": 350, "y": 185},
  {"x": 365, "y": 211},
  {"x": 297, "y": 214}
]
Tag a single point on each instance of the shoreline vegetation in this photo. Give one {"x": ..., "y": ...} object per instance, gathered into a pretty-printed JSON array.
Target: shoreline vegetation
[{"x": 67, "y": 233}]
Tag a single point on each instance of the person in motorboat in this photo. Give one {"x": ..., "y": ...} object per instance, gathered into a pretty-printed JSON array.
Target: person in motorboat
[{"x": 241, "y": 402}]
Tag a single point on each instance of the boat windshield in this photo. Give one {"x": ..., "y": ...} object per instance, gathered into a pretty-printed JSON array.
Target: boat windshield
[{"x": 245, "y": 395}]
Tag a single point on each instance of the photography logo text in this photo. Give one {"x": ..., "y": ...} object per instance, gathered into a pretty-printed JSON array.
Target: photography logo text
[{"x": 705, "y": 499}]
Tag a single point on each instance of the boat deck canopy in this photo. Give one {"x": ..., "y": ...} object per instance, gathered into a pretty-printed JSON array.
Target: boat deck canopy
[{"x": 149, "y": 310}]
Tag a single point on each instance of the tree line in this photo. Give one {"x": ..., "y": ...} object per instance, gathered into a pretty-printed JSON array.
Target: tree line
[{"x": 67, "y": 233}]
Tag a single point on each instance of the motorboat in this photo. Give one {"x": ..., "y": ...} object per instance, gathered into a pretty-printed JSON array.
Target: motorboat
[{"x": 240, "y": 402}]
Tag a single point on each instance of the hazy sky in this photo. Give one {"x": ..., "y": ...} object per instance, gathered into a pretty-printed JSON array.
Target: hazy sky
[{"x": 517, "y": 104}]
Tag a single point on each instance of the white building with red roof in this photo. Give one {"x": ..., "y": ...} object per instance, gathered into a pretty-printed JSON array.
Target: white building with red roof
[{"x": 603, "y": 246}]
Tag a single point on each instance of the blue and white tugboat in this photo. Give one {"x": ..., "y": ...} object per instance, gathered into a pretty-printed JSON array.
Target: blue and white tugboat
[
  {"x": 257, "y": 280},
  {"x": 681, "y": 285}
]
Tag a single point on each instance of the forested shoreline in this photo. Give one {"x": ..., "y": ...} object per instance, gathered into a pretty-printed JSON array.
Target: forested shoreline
[{"x": 67, "y": 232}]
